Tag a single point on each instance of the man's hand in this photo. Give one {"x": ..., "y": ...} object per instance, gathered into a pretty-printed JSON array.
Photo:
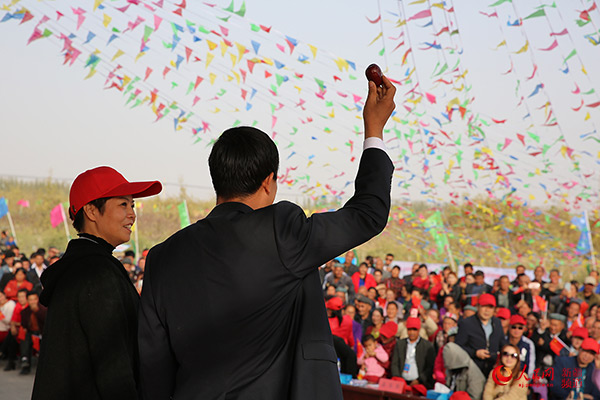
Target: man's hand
[
  {"x": 378, "y": 107},
  {"x": 482, "y": 354}
]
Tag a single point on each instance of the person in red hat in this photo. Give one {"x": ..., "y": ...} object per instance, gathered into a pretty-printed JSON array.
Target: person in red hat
[
  {"x": 577, "y": 337},
  {"x": 89, "y": 346},
  {"x": 343, "y": 338},
  {"x": 413, "y": 357},
  {"x": 481, "y": 335},
  {"x": 516, "y": 337},
  {"x": 503, "y": 315},
  {"x": 574, "y": 377}
]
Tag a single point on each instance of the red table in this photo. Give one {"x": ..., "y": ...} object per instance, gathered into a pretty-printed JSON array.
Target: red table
[{"x": 360, "y": 393}]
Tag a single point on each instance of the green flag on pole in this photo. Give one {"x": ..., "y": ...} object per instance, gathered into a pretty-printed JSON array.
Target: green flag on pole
[
  {"x": 435, "y": 226},
  {"x": 184, "y": 216}
]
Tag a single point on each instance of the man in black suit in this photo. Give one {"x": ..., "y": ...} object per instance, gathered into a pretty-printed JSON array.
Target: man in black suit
[
  {"x": 232, "y": 306},
  {"x": 481, "y": 335}
]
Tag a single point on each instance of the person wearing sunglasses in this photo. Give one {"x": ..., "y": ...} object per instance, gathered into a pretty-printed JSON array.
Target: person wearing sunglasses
[
  {"x": 507, "y": 381},
  {"x": 517, "y": 338}
]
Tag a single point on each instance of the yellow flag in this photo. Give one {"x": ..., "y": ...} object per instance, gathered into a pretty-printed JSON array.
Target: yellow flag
[
  {"x": 211, "y": 45},
  {"x": 106, "y": 20},
  {"x": 313, "y": 50},
  {"x": 97, "y": 3},
  {"x": 212, "y": 78},
  {"x": 118, "y": 54},
  {"x": 524, "y": 48},
  {"x": 209, "y": 58}
]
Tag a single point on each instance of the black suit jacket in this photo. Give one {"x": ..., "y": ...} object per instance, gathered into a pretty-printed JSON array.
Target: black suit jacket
[
  {"x": 425, "y": 356},
  {"x": 232, "y": 306},
  {"x": 471, "y": 337}
]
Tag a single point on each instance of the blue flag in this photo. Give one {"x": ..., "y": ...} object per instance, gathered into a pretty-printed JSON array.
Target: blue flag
[
  {"x": 3, "y": 207},
  {"x": 583, "y": 246}
]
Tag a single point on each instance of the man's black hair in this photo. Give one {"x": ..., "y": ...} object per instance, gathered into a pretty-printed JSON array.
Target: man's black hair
[
  {"x": 31, "y": 293},
  {"x": 240, "y": 160},
  {"x": 130, "y": 253},
  {"x": 422, "y": 266},
  {"x": 479, "y": 273},
  {"x": 468, "y": 265},
  {"x": 23, "y": 290},
  {"x": 389, "y": 255},
  {"x": 78, "y": 220}
]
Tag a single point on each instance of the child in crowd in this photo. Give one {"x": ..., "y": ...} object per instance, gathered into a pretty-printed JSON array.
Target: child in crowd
[{"x": 373, "y": 360}]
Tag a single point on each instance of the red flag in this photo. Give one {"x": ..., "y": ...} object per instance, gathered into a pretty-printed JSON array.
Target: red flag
[
  {"x": 556, "y": 345},
  {"x": 36, "y": 342},
  {"x": 57, "y": 215}
]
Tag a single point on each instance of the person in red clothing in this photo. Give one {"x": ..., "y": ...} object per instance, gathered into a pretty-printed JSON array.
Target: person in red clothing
[
  {"x": 20, "y": 282},
  {"x": 10, "y": 345},
  {"x": 343, "y": 339},
  {"x": 421, "y": 281},
  {"x": 387, "y": 338},
  {"x": 362, "y": 278}
]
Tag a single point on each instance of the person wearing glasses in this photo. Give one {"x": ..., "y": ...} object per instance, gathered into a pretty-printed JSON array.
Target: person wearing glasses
[
  {"x": 517, "y": 338},
  {"x": 507, "y": 381}
]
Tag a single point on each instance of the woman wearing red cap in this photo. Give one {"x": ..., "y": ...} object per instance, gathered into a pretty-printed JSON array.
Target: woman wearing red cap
[{"x": 89, "y": 346}]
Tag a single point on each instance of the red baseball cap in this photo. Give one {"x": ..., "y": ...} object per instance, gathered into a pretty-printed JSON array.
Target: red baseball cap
[
  {"x": 591, "y": 345},
  {"x": 388, "y": 329},
  {"x": 580, "y": 332},
  {"x": 487, "y": 299},
  {"x": 413, "y": 323},
  {"x": 503, "y": 313},
  {"x": 517, "y": 319},
  {"x": 334, "y": 303},
  {"x": 100, "y": 182},
  {"x": 460, "y": 396}
]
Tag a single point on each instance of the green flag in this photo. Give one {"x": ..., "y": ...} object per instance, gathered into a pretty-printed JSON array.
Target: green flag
[
  {"x": 538, "y": 13},
  {"x": 435, "y": 226},
  {"x": 184, "y": 217}
]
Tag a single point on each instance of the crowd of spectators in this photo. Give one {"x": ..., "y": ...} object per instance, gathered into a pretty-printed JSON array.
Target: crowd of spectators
[
  {"x": 22, "y": 317},
  {"x": 525, "y": 338},
  {"x": 515, "y": 339}
]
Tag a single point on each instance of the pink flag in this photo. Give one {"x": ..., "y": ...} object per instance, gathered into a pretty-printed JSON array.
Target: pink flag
[
  {"x": 552, "y": 46},
  {"x": 57, "y": 215},
  {"x": 23, "y": 203}
]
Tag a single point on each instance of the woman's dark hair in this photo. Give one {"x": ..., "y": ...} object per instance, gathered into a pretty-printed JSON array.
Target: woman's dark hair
[
  {"x": 516, "y": 371},
  {"x": 20, "y": 270},
  {"x": 338, "y": 315},
  {"x": 240, "y": 160},
  {"x": 78, "y": 220}
]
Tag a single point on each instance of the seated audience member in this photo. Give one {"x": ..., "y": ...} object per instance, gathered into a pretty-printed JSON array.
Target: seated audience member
[
  {"x": 7, "y": 308},
  {"x": 595, "y": 331},
  {"x": 392, "y": 312},
  {"x": 461, "y": 372},
  {"x": 503, "y": 294},
  {"x": 377, "y": 319},
  {"x": 350, "y": 311},
  {"x": 589, "y": 291},
  {"x": 10, "y": 345},
  {"x": 390, "y": 297},
  {"x": 533, "y": 320},
  {"x": 35, "y": 271},
  {"x": 450, "y": 288},
  {"x": 378, "y": 276},
  {"x": 373, "y": 361},
  {"x": 428, "y": 327},
  {"x": 522, "y": 292},
  {"x": 503, "y": 315},
  {"x": 481, "y": 335},
  {"x": 364, "y": 305},
  {"x": 513, "y": 382},
  {"x": 573, "y": 376},
  {"x": 19, "y": 282},
  {"x": 343, "y": 339},
  {"x": 339, "y": 279},
  {"x": 577, "y": 338},
  {"x": 372, "y": 294},
  {"x": 574, "y": 319},
  {"x": 523, "y": 343},
  {"x": 548, "y": 330},
  {"x": 479, "y": 287},
  {"x": 394, "y": 282},
  {"x": 32, "y": 319},
  {"x": 413, "y": 357},
  {"x": 387, "y": 337},
  {"x": 469, "y": 311},
  {"x": 362, "y": 278},
  {"x": 422, "y": 281},
  {"x": 441, "y": 337}
]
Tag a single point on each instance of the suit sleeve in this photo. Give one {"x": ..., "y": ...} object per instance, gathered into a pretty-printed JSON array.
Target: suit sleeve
[
  {"x": 396, "y": 360},
  {"x": 462, "y": 339},
  {"x": 305, "y": 243},
  {"x": 158, "y": 366},
  {"x": 103, "y": 317}
]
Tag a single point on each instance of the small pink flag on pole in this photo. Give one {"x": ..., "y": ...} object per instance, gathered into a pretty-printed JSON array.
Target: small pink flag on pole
[
  {"x": 23, "y": 203},
  {"x": 57, "y": 215}
]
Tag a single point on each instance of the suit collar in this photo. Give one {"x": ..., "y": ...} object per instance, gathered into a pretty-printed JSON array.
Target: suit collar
[{"x": 230, "y": 208}]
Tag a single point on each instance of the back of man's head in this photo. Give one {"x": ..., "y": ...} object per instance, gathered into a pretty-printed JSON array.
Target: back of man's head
[{"x": 240, "y": 161}]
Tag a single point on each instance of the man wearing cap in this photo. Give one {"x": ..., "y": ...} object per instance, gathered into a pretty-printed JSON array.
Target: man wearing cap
[
  {"x": 413, "y": 357},
  {"x": 252, "y": 267},
  {"x": 553, "y": 327},
  {"x": 573, "y": 376},
  {"x": 588, "y": 294},
  {"x": 364, "y": 307},
  {"x": 481, "y": 335},
  {"x": 523, "y": 343},
  {"x": 89, "y": 343}
]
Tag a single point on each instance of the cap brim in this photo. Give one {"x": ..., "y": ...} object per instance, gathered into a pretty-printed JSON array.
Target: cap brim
[{"x": 136, "y": 189}]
